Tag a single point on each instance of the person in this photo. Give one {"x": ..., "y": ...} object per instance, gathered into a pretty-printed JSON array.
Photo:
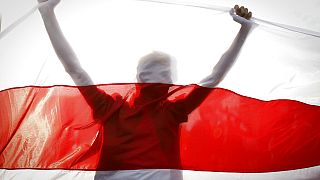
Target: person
[{"x": 141, "y": 131}]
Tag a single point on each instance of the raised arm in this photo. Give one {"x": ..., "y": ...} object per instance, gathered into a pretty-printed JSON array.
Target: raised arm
[
  {"x": 97, "y": 99},
  {"x": 61, "y": 46},
  {"x": 195, "y": 98},
  {"x": 242, "y": 16}
]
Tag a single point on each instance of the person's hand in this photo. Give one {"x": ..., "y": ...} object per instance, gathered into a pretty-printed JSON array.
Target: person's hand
[
  {"x": 242, "y": 12},
  {"x": 241, "y": 15},
  {"x": 50, "y": 4}
]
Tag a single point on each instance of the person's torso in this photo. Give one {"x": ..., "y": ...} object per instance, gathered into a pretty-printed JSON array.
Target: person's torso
[{"x": 141, "y": 137}]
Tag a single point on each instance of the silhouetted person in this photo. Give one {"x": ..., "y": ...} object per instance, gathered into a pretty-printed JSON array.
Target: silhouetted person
[{"x": 141, "y": 130}]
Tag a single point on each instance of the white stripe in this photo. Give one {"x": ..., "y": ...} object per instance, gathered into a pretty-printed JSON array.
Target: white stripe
[
  {"x": 20, "y": 20},
  {"x": 312, "y": 173},
  {"x": 290, "y": 28},
  {"x": 193, "y": 4},
  {"x": 227, "y": 9}
]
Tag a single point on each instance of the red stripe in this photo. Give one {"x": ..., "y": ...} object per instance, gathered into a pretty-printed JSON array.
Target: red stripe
[{"x": 49, "y": 128}]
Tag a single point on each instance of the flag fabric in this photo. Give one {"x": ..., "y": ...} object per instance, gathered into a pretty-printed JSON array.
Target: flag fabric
[
  {"x": 262, "y": 122},
  {"x": 53, "y": 128},
  {"x": 247, "y": 135}
]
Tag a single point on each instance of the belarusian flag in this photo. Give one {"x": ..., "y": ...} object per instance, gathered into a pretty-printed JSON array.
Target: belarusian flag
[{"x": 262, "y": 122}]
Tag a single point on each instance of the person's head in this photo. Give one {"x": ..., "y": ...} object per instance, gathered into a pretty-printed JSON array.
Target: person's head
[{"x": 156, "y": 67}]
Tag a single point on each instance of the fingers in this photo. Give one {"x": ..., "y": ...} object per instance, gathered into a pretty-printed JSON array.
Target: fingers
[
  {"x": 237, "y": 9},
  {"x": 248, "y": 15},
  {"x": 243, "y": 12}
]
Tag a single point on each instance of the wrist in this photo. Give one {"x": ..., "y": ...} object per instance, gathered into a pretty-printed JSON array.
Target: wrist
[
  {"x": 46, "y": 10},
  {"x": 248, "y": 26}
]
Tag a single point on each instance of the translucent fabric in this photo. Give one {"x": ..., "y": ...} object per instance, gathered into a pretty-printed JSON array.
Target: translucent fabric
[
  {"x": 260, "y": 122},
  {"x": 54, "y": 128}
]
